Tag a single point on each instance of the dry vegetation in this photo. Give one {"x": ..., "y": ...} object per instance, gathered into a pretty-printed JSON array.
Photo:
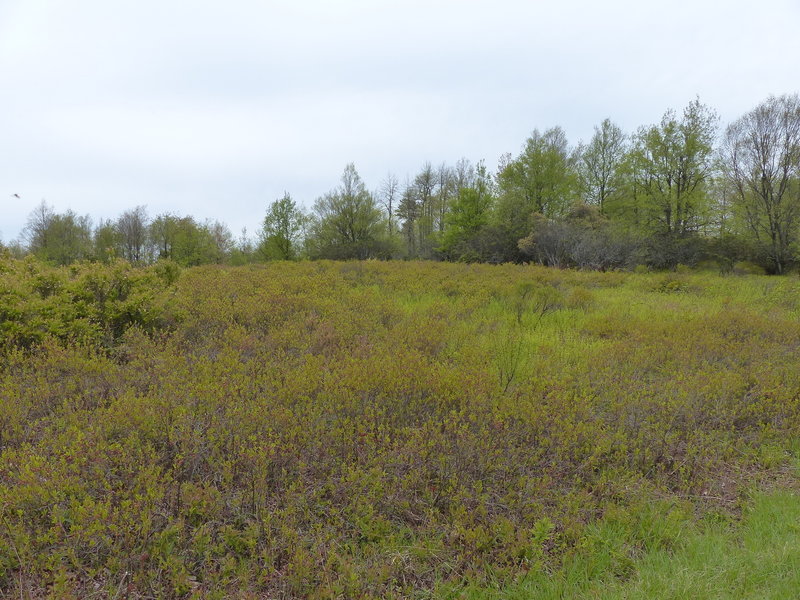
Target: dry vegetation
[{"x": 360, "y": 430}]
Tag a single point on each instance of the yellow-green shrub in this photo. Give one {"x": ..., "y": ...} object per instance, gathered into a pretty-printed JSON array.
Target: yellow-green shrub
[{"x": 328, "y": 430}]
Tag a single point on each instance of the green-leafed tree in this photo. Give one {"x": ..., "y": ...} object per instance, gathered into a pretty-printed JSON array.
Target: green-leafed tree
[
  {"x": 543, "y": 180},
  {"x": 162, "y": 233},
  {"x": 672, "y": 164},
  {"x": 106, "y": 242},
  {"x": 189, "y": 243},
  {"x": 59, "y": 238},
  {"x": 282, "y": 230},
  {"x": 469, "y": 212},
  {"x": 347, "y": 223},
  {"x": 600, "y": 165}
]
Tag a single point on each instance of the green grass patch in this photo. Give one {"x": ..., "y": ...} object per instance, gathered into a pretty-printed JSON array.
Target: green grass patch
[{"x": 758, "y": 558}]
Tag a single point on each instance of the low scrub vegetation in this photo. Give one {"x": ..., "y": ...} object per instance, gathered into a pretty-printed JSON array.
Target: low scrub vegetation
[{"x": 373, "y": 430}]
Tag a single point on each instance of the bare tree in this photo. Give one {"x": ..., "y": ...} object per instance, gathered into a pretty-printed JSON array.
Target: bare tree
[
  {"x": 762, "y": 160},
  {"x": 463, "y": 175},
  {"x": 445, "y": 185},
  {"x": 37, "y": 228},
  {"x": 222, "y": 239},
  {"x": 408, "y": 211},
  {"x": 424, "y": 185},
  {"x": 388, "y": 195},
  {"x": 132, "y": 227}
]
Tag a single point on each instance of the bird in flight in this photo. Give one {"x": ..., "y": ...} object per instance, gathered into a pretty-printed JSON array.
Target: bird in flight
[{"x": 15, "y": 195}]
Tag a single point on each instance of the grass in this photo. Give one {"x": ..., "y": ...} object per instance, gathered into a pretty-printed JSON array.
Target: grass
[{"x": 759, "y": 560}]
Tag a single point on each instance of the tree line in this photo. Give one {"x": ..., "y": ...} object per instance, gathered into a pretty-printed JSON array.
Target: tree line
[{"x": 680, "y": 191}]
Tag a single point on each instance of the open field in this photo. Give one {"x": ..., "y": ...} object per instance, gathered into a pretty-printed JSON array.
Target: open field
[{"x": 384, "y": 430}]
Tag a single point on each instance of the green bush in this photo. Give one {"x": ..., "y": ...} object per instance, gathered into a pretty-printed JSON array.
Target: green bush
[{"x": 85, "y": 303}]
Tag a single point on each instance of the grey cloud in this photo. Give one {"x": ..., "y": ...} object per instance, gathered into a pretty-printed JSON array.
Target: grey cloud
[{"x": 216, "y": 108}]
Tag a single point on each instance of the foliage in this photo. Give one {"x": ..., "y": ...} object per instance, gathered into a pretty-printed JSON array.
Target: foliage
[
  {"x": 326, "y": 430},
  {"x": 59, "y": 239},
  {"x": 600, "y": 165},
  {"x": 468, "y": 214},
  {"x": 131, "y": 235},
  {"x": 672, "y": 164},
  {"x": 543, "y": 179},
  {"x": 282, "y": 230},
  {"x": 188, "y": 242},
  {"x": 583, "y": 239},
  {"x": 668, "y": 195},
  {"x": 347, "y": 223},
  {"x": 84, "y": 304}
]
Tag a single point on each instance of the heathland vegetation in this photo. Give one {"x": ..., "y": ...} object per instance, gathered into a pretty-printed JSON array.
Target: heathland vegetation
[
  {"x": 680, "y": 191},
  {"x": 372, "y": 429}
]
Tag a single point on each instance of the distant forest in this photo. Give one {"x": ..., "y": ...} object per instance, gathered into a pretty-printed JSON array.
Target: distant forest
[{"x": 683, "y": 191}]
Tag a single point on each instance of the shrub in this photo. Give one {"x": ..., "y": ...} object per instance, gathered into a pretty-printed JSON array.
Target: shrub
[{"x": 373, "y": 429}]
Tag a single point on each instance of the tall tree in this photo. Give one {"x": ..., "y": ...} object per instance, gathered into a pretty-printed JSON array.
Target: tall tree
[
  {"x": 543, "y": 180},
  {"x": 672, "y": 163},
  {"x": 347, "y": 222},
  {"x": 243, "y": 250},
  {"x": 163, "y": 232},
  {"x": 106, "y": 241},
  {"x": 222, "y": 240},
  {"x": 463, "y": 175},
  {"x": 194, "y": 244},
  {"x": 408, "y": 211},
  {"x": 423, "y": 189},
  {"x": 59, "y": 238},
  {"x": 761, "y": 156},
  {"x": 187, "y": 242},
  {"x": 469, "y": 213},
  {"x": 132, "y": 227},
  {"x": 37, "y": 230},
  {"x": 600, "y": 164},
  {"x": 420, "y": 208},
  {"x": 389, "y": 196},
  {"x": 282, "y": 230},
  {"x": 445, "y": 193}
]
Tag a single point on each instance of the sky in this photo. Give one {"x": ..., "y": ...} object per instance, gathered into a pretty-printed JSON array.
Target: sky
[{"x": 215, "y": 109}]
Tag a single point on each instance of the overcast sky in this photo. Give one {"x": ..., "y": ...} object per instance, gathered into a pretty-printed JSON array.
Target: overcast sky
[{"x": 214, "y": 109}]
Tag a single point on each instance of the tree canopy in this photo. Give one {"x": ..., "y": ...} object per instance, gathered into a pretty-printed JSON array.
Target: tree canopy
[{"x": 668, "y": 193}]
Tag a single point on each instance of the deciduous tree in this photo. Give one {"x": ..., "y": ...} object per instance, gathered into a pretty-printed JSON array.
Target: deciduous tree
[
  {"x": 600, "y": 164},
  {"x": 132, "y": 228},
  {"x": 282, "y": 230},
  {"x": 542, "y": 180},
  {"x": 762, "y": 161},
  {"x": 672, "y": 163},
  {"x": 59, "y": 238},
  {"x": 347, "y": 222}
]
